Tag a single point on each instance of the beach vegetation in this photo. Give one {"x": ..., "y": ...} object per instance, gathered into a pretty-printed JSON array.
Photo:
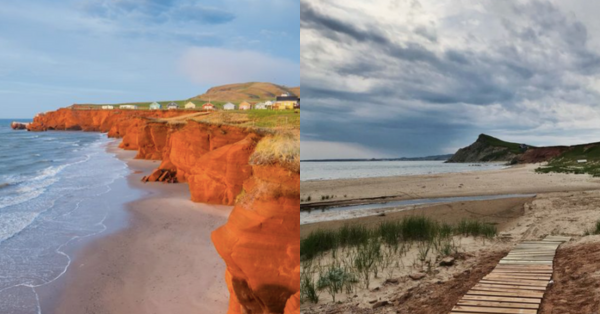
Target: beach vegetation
[
  {"x": 593, "y": 231},
  {"x": 469, "y": 227},
  {"x": 366, "y": 258},
  {"x": 308, "y": 289},
  {"x": 333, "y": 279},
  {"x": 394, "y": 234},
  {"x": 282, "y": 148}
]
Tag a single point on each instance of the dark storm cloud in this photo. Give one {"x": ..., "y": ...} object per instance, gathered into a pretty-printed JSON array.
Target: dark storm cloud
[{"x": 395, "y": 87}]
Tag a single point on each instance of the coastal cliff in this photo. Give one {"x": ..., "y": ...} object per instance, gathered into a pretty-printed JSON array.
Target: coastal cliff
[
  {"x": 489, "y": 149},
  {"x": 251, "y": 168}
]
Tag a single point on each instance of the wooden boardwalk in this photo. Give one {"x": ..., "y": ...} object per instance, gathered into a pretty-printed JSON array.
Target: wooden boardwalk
[{"x": 517, "y": 284}]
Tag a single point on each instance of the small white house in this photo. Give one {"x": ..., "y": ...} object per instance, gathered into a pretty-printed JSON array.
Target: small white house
[
  {"x": 228, "y": 106},
  {"x": 155, "y": 106},
  {"x": 581, "y": 161},
  {"x": 108, "y": 107},
  {"x": 260, "y": 106},
  {"x": 190, "y": 105},
  {"x": 172, "y": 106},
  {"x": 129, "y": 107},
  {"x": 268, "y": 104}
]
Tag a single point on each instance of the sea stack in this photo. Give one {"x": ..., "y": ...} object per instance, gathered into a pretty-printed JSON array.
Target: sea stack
[{"x": 18, "y": 125}]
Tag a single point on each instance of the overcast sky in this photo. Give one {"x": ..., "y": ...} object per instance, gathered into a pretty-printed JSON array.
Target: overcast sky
[
  {"x": 56, "y": 53},
  {"x": 390, "y": 78}
]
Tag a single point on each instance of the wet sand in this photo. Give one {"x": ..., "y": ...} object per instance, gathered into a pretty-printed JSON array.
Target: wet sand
[
  {"x": 520, "y": 179},
  {"x": 163, "y": 262}
]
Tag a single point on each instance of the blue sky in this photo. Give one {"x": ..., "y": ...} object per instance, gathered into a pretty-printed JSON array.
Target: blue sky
[{"x": 56, "y": 53}]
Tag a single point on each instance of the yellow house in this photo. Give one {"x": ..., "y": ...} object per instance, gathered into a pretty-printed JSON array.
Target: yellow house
[
  {"x": 285, "y": 102},
  {"x": 190, "y": 105},
  {"x": 244, "y": 105}
]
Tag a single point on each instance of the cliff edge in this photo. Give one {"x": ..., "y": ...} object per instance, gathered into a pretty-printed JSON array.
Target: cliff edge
[{"x": 489, "y": 149}]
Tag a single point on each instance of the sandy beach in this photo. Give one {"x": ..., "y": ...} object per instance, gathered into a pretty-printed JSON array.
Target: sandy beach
[
  {"x": 519, "y": 179},
  {"x": 163, "y": 262},
  {"x": 563, "y": 205}
]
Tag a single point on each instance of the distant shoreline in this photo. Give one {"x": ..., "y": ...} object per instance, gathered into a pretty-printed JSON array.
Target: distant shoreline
[{"x": 427, "y": 158}]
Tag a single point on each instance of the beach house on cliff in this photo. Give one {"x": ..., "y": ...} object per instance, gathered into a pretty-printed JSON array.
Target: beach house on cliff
[
  {"x": 155, "y": 106},
  {"x": 208, "y": 106},
  {"x": 190, "y": 105},
  {"x": 128, "y": 107},
  {"x": 244, "y": 105},
  {"x": 108, "y": 107},
  {"x": 286, "y": 101},
  {"x": 172, "y": 106},
  {"x": 229, "y": 106}
]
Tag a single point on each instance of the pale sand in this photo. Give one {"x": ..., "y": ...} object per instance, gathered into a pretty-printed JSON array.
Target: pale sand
[
  {"x": 515, "y": 180},
  {"x": 164, "y": 262},
  {"x": 564, "y": 205}
]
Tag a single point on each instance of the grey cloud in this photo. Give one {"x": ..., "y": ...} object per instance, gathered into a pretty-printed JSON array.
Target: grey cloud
[{"x": 512, "y": 78}]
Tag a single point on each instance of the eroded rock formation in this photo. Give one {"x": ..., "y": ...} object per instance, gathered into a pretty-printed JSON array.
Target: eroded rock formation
[
  {"x": 261, "y": 241},
  {"x": 18, "y": 125},
  {"x": 260, "y": 244}
]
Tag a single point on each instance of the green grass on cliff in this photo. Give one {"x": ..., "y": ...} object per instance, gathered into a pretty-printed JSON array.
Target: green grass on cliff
[
  {"x": 492, "y": 141},
  {"x": 567, "y": 161}
]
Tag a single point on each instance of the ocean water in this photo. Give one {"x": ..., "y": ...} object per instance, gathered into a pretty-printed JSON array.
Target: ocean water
[
  {"x": 371, "y": 169},
  {"x": 53, "y": 192}
]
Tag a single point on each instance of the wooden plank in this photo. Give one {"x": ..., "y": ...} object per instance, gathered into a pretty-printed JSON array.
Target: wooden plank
[
  {"x": 501, "y": 299},
  {"x": 526, "y": 262},
  {"x": 472, "y": 309},
  {"x": 498, "y": 304},
  {"x": 529, "y": 258},
  {"x": 515, "y": 282},
  {"x": 520, "y": 270},
  {"x": 545, "y": 278},
  {"x": 518, "y": 294},
  {"x": 499, "y": 285}
]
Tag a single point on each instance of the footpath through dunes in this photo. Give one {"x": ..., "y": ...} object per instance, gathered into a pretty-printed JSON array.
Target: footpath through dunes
[
  {"x": 518, "y": 283},
  {"x": 247, "y": 159}
]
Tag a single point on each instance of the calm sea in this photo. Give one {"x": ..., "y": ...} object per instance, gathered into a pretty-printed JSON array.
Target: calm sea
[
  {"x": 369, "y": 169},
  {"x": 52, "y": 193}
]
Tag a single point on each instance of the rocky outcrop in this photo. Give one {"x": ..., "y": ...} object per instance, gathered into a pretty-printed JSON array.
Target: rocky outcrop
[
  {"x": 489, "y": 149},
  {"x": 541, "y": 154},
  {"x": 260, "y": 244},
  {"x": 18, "y": 125}
]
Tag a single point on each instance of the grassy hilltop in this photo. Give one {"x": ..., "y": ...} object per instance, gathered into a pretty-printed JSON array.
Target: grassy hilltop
[{"x": 220, "y": 95}]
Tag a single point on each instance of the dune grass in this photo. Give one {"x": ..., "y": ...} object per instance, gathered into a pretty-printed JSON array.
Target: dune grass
[
  {"x": 393, "y": 233},
  {"x": 281, "y": 148},
  {"x": 593, "y": 231}
]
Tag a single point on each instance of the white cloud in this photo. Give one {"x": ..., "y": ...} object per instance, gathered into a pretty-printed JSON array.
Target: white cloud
[{"x": 215, "y": 66}]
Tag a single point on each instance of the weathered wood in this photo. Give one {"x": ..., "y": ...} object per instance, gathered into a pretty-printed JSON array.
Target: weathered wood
[
  {"x": 498, "y": 304},
  {"x": 501, "y": 299},
  {"x": 517, "y": 284},
  {"x": 471, "y": 309}
]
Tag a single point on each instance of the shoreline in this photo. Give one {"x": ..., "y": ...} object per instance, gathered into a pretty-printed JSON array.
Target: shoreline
[
  {"x": 162, "y": 261},
  {"x": 519, "y": 179}
]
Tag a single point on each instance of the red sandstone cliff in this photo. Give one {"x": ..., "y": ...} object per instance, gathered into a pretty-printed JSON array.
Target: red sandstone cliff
[
  {"x": 261, "y": 246},
  {"x": 261, "y": 241}
]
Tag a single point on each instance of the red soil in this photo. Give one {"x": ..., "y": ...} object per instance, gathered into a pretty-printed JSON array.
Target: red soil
[{"x": 576, "y": 288}]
